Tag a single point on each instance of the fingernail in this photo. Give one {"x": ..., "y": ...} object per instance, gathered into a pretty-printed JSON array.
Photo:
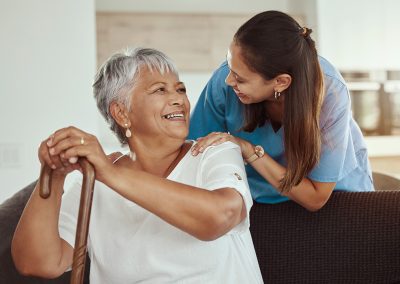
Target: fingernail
[
  {"x": 73, "y": 160},
  {"x": 53, "y": 167},
  {"x": 62, "y": 155},
  {"x": 201, "y": 149},
  {"x": 50, "y": 141},
  {"x": 52, "y": 151},
  {"x": 194, "y": 152}
]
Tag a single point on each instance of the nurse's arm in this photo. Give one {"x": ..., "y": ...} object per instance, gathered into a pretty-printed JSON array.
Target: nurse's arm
[{"x": 310, "y": 194}]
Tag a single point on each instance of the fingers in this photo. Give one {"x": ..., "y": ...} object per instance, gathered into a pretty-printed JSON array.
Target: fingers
[
  {"x": 65, "y": 144},
  {"x": 55, "y": 151},
  {"x": 70, "y": 143},
  {"x": 56, "y": 162},
  {"x": 62, "y": 134},
  {"x": 45, "y": 157},
  {"x": 66, "y": 138},
  {"x": 212, "y": 139}
]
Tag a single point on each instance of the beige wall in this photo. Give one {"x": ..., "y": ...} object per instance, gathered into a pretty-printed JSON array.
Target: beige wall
[
  {"x": 196, "y": 42},
  {"x": 387, "y": 165}
]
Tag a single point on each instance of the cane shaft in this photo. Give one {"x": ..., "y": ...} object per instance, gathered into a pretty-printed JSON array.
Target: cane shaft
[
  {"x": 82, "y": 228},
  {"x": 85, "y": 206}
]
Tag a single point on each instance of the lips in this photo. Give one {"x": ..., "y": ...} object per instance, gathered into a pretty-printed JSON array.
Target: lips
[{"x": 239, "y": 94}]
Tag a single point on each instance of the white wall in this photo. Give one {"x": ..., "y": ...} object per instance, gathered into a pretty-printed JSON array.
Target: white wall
[
  {"x": 47, "y": 56},
  {"x": 360, "y": 34}
]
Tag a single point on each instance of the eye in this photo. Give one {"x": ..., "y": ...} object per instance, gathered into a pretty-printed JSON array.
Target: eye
[
  {"x": 238, "y": 80},
  {"x": 160, "y": 90},
  {"x": 181, "y": 90}
]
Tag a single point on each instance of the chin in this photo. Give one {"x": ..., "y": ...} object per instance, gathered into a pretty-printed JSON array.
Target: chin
[
  {"x": 181, "y": 135},
  {"x": 245, "y": 100}
]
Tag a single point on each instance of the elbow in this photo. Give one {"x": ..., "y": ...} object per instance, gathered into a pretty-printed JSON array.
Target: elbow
[
  {"x": 211, "y": 231},
  {"x": 220, "y": 223},
  {"x": 315, "y": 205},
  {"x": 22, "y": 267},
  {"x": 313, "y": 208},
  {"x": 21, "y": 263},
  {"x": 27, "y": 269},
  {"x": 26, "y": 266}
]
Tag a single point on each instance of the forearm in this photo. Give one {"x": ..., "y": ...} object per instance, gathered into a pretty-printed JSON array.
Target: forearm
[
  {"x": 204, "y": 214},
  {"x": 36, "y": 245},
  {"x": 307, "y": 193}
]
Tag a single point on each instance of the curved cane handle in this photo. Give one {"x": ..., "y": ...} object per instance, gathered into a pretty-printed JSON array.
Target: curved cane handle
[
  {"x": 85, "y": 206},
  {"x": 45, "y": 181}
]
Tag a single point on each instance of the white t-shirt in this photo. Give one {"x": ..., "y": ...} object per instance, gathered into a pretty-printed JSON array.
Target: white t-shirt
[{"x": 128, "y": 244}]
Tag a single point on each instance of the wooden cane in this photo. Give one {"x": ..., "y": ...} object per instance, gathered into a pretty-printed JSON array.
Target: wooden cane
[{"x": 85, "y": 206}]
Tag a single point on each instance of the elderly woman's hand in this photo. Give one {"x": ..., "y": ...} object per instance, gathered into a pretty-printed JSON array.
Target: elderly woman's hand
[
  {"x": 61, "y": 166},
  {"x": 67, "y": 144},
  {"x": 216, "y": 138}
]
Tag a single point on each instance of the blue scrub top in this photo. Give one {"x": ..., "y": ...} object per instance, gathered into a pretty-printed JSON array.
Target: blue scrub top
[{"x": 344, "y": 157}]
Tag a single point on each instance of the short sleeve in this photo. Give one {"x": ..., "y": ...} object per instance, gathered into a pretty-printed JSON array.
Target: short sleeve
[
  {"x": 222, "y": 166},
  {"x": 338, "y": 156},
  {"x": 208, "y": 114}
]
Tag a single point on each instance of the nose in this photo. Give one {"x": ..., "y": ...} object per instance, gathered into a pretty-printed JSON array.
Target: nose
[
  {"x": 230, "y": 80},
  {"x": 176, "y": 99}
]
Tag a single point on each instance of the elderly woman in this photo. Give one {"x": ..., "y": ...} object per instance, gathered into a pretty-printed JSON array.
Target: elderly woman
[{"x": 159, "y": 214}]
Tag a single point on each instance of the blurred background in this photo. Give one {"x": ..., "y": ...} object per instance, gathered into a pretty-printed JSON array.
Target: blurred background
[{"x": 50, "y": 51}]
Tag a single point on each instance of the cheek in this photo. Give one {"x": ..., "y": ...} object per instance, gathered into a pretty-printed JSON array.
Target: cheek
[
  {"x": 262, "y": 92},
  {"x": 248, "y": 89}
]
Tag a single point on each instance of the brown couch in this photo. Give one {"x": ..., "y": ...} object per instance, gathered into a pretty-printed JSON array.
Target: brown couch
[{"x": 355, "y": 238}]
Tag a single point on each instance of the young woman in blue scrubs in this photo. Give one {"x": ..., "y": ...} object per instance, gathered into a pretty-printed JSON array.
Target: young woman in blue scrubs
[{"x": 290, "y": 112}]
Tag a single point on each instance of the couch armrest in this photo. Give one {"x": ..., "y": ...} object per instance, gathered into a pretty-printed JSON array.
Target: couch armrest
[{"x": 354, "y": 238}]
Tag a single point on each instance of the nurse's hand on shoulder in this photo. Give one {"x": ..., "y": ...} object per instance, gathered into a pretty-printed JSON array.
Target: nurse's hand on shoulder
[
  {"x": 67, "y": 144},
  {"x": 216, "y": 138}
]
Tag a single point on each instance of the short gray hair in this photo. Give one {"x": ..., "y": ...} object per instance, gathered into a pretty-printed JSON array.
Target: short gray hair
[{"x": 117, "y": 76}]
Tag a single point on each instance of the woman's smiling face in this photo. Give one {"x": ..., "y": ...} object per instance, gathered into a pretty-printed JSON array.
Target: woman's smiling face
[
  {"x": 249, "y": 86},
  {"x": 159, "y": 105}
]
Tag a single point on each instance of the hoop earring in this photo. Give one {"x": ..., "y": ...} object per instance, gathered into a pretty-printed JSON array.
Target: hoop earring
[
  {"x": 128, "y": 132},
  {"x": 277, "y": 95}
]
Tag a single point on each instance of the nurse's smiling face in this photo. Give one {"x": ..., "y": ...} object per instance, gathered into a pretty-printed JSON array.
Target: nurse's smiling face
[{"x": 249, "y": 86}]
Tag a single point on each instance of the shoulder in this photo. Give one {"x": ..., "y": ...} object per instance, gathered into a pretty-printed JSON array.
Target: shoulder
[
  {"x": 226, "y": 148},
  {"x": 222, "y": 70},
  {"x": 337, "y": 102},
  {"x": 336, "y": 90},
  {"x": 332, "y": 75},
  {"x": 219, "y": 75}
]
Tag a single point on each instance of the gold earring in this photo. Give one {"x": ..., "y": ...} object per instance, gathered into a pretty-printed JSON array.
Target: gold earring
[{"x": 128, "y": 132}]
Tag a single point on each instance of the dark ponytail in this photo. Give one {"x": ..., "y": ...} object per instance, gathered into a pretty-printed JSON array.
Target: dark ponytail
[{"x": 273, "y": 43}]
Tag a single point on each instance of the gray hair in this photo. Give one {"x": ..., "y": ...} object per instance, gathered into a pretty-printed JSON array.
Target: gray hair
[{"x": 117, "y": 76}]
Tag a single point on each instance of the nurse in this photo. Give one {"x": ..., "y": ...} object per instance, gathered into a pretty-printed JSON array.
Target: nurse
[{"x": 289, "y": 110}]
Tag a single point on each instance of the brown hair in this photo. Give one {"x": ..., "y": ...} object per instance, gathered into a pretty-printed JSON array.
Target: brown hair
[{"x": 273, "y": 43}]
